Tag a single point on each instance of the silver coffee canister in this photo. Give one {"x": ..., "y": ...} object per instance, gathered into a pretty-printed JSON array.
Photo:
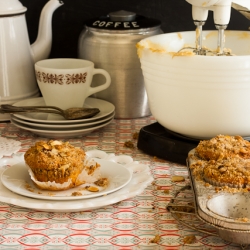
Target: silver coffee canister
[{"x": 110, "y": 42}]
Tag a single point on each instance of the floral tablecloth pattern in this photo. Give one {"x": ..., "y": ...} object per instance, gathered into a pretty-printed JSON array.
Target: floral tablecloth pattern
[{"x": 141, "y": 222}]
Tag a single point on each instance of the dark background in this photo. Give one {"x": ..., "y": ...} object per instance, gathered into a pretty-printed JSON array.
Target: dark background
[{"x": 68, "y": 20}]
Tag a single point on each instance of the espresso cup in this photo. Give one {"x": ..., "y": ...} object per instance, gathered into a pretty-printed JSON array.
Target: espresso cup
[{"x": 66, "y": 82}]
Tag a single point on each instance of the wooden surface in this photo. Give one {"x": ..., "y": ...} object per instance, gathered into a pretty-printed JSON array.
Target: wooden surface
[{"x": 69, "y": 19}]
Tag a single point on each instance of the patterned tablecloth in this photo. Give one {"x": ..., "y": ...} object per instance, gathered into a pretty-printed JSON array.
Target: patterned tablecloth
[{"x": 140, "y": 222}]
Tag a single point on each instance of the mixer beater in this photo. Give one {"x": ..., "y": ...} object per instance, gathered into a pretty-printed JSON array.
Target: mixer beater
[{"x": 222, "y": 12}]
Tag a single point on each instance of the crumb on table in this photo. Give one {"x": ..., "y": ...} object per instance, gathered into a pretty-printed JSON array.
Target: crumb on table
[
  {"x": 156, "y": 159},
  {"x": 156, "y": 239},
  {"x": 177, "y": 178},
  {"x": 190, "y": 239},
  {"x": 135, "y": 135},
  {"x": 129, "y": 144}
]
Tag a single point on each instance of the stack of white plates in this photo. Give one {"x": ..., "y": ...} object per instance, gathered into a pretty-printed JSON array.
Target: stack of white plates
[{"x": 55, "y": 126}]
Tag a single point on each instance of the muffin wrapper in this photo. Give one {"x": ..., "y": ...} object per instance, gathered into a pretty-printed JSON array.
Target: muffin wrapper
[
  {"x": 82, "y": 178},
  {"x": 218, "y": 184}
]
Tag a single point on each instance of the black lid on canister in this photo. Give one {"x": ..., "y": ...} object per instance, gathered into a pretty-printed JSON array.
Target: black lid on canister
[{"x": 122, "y": 20}]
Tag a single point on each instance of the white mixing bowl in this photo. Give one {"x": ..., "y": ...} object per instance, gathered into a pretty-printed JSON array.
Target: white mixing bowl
[{"x": 198, "y": 96}]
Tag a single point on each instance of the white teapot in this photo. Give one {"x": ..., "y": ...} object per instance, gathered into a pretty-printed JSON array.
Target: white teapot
[{"x": 17, "y": 56}]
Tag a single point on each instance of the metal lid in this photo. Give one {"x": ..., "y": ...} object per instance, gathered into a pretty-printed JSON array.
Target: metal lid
[
  {"x": 122, "y": 21},
  {"x": 122, "y": 15},
  {"x": 11, "y": 7}
]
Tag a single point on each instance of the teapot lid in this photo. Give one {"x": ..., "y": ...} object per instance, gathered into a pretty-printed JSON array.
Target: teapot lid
[
  {"x": 122, "y": 15},
  {"x": 11, "y": 7},
  {"x": 122, "y": 21}
]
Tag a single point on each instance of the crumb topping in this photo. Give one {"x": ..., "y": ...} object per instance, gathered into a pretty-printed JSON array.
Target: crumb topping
[
  {"x": 224, "y": 162},
  {"x": 55, "y": 161},
  {"x": 223, "y": 147},
  {"x": 227, "y": 172}
]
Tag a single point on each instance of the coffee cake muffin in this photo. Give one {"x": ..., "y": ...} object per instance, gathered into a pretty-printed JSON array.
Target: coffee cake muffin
[
  {"x": 57, "y": 165},
  {"x": 223, "y": 147},
  {"x": 233, "y": 172},
  {"x": 222, "y": 161}
]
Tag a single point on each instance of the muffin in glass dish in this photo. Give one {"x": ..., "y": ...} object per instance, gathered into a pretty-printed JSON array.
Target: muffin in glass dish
[{"x": 56, "y": 165}]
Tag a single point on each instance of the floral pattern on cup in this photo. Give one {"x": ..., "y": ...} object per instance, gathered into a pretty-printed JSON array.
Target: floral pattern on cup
[{"x": 58, "y": 79}]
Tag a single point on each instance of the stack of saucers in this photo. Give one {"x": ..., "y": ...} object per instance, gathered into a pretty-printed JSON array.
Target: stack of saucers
[{"x": 55, "y": 126}]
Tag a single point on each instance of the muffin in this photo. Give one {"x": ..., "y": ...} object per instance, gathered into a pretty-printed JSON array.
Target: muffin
[
  {"x": 223, "y": 147},
  {"x": 57, "y": 165},
  {"x": 222, "y": 161},
  {"x": 232, "y": 172}
]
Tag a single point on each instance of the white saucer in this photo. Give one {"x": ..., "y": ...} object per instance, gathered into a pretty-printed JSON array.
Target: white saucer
[
  {"x": 66, "y": 133},
  {"x": 106, "y": 108},
  {"x": 141, "y": 178},
  {"x": 18, "y": 180},
  {"x": 11, "y": 100},
  {"x": 4, "y": 117},
  {"x": 62, "y": 126}
]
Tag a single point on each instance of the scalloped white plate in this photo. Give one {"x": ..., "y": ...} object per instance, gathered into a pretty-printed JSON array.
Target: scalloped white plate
[
  {"x": 141, "y": 178},
  {"x": 17, "y": 179}
]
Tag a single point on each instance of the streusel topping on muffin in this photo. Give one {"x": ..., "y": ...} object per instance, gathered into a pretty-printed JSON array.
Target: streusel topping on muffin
[
  {"x": 233, "y": 172},
  {"x": 223, "y": 147},
  {"x": 57, "y": 162}
]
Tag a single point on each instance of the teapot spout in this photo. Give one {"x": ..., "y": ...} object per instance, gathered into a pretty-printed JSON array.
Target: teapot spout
[{"x": 42, "y": 46}]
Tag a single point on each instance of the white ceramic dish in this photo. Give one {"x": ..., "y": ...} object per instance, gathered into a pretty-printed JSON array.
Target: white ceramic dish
[
  {"x": 66, "y": 133},
  {"x": 198, "y": 96},
  {"x": 18, "y": 180},
  {"x": 106, "y": 108},
  {"x": 141, "y": 178},
  {"x": 62, "y": 126}
]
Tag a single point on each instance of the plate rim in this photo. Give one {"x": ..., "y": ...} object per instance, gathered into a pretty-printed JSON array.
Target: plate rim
[
  {"x": 55, "y": 132},
  {"x": 61, "y": 126}
]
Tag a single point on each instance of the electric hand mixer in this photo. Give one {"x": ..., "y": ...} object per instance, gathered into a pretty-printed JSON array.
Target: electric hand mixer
[{"x": 222, "y": 13}]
